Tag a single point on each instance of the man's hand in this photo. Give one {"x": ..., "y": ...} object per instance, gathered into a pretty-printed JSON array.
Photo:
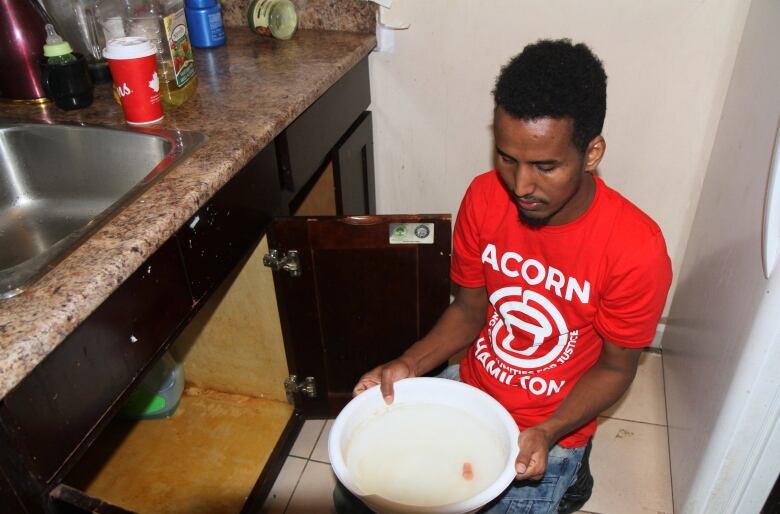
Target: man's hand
[
  {"x": 601, "y": 386},
  {"x": 384, "y": 376},
  {"x": 455, "y": 330},
  {"x": 534, "y": 446}
]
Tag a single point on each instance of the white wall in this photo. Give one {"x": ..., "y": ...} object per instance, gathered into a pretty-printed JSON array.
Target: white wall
[{"x": 668, "y": 63}]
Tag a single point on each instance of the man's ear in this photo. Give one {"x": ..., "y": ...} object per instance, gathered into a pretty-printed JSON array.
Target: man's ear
[{"x": 594, "y": 153}]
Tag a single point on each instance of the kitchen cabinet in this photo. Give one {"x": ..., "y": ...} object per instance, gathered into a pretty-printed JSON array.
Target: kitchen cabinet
[
  {"x": 8, "y": 498},
  {"x": 357, "y": 300},
  {"x": 360, "y": 298},
  {"x": 217, "y": 236},
  {"x": 305, "y": 146},
  {"x": 206, "y": 297},
  {"x": 354, "y": 170},
  {"x": 73, "y": 390}
]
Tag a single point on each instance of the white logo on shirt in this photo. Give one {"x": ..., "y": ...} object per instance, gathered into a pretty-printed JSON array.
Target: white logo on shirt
[
  {"x": 540, "y": 318},
  {"x": 533, "y": 273}
]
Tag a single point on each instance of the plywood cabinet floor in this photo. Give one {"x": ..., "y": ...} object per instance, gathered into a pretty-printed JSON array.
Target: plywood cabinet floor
[{"x": 205, "y": 459}]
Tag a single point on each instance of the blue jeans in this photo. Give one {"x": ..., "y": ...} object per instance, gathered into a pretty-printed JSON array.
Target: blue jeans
[{"x": 521, "y": 497}]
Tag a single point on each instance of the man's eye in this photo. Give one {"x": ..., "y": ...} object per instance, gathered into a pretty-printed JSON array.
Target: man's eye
[
  {"x": 507, "y": 159},
  {"x": 545, "y": 168}
]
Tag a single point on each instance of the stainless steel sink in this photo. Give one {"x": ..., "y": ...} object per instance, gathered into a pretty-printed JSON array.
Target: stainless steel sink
[{"x": 60, "y": 182}]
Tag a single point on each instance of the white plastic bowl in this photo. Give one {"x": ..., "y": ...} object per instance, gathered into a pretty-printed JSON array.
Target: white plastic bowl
[{"x": 422, "y": 390}]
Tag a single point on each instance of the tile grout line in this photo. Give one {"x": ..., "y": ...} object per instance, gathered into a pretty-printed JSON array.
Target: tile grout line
[
  {"x": 297, "y": 482},
  {"x": 635, "y": 421},
  {"x": 306, "y": 465},
  {"x": 317, "y": 439}
]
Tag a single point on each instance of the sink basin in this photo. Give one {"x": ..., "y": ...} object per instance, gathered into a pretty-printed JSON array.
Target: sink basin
[{"x": 59, "y": 183}]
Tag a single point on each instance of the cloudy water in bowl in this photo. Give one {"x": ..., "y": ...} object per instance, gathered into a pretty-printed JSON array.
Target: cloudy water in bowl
[{"x": 424, "y": 455}]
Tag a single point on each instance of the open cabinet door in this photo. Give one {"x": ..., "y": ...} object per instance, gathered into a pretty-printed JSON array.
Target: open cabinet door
[{"x": 354, "y": 292}]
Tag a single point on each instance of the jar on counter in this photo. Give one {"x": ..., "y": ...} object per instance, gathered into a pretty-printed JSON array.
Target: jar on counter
[{"x": 277, "y": 18}]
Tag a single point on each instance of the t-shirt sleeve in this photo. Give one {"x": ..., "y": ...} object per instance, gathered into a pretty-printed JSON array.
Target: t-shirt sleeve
[
  {"x": 635, "y": 295},
  {"x": 466, "y": 266}
]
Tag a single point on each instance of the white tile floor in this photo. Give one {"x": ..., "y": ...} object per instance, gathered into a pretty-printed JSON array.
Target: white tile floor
[{"x": 630, "y": 459}]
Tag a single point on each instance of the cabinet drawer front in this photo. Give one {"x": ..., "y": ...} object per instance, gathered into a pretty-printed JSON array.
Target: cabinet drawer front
[
  {"x": 230, "y": 224},
  {"x": 63, "y": 400},
  {"x": 309, "y": 139}
]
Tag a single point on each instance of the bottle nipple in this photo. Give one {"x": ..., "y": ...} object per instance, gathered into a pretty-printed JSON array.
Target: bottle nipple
[
  {"x": 52, "y": 38},
  {"x": 55, "y": 45}
]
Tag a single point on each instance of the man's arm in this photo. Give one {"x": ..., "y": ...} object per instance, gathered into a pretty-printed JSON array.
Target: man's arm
[
  {"x": 457, "y": 327},
  {"x": 599, "y": 388}
]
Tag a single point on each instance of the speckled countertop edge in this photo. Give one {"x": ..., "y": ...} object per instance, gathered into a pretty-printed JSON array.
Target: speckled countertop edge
[{"x": 248, "y": 92}]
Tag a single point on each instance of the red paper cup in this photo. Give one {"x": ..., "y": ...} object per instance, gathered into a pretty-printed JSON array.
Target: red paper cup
[{"x": 133, "y": 64}]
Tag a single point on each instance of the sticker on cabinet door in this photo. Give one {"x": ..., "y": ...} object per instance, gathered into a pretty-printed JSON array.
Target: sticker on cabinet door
[{"x": 411, "y": 233}]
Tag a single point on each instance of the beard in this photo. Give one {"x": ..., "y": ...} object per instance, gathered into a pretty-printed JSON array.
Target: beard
[{"x": 531, "y": 221}]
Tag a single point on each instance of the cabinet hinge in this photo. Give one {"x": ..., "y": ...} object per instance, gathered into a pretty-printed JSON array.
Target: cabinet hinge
[
  {"x": 306, "y": 386},
  {"x": 290, "y": 262}
]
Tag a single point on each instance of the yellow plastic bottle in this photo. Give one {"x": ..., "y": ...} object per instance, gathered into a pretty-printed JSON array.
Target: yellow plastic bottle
[{"x": 178, "y": 77}]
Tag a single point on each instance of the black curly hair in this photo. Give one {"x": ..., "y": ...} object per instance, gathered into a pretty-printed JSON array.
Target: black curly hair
[{"x": 556, "y": 79}]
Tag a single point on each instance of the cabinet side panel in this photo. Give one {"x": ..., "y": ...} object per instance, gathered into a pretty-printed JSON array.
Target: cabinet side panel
[{"x": 234, "y": 344}]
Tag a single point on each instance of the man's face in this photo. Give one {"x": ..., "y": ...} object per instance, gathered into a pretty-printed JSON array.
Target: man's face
[{"x": 543, "y": 171}]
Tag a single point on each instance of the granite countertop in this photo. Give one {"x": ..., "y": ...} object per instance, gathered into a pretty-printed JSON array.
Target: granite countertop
[{"x": 248, "y": 92}]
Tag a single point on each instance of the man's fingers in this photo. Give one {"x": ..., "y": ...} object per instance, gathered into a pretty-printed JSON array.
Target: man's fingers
[
  {"x": 384, "y": 376},
  {"x": 387, "y": 385},
  {"x": 360, "y": 387},
  {"x": 367, "y": 381},
  {"x": 531, "y": 462},
  {"x": 530, "y": 467},
  {"x": 534, "y": 471},
  {"x": 522, "y": 463},
  {"x": 533, "y": 478}
]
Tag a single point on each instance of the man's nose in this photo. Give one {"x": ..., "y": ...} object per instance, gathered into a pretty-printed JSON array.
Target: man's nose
[{"x": 524, "y": 181}]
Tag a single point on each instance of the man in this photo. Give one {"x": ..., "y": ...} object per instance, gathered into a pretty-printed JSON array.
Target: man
[{"x": 572, "y": 276}]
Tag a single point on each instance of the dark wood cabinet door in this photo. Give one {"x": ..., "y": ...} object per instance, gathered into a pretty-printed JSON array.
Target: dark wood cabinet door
[
  {"x": 353, "y": 162},
  {"x": 360, "y": 299}
]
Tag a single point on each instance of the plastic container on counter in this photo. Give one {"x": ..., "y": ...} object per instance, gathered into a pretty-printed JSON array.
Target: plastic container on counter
[{"x": 204, "y": 20}]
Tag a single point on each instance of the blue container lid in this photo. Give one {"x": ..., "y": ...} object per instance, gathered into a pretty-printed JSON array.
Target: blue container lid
[{"x": 200, "y": 4}]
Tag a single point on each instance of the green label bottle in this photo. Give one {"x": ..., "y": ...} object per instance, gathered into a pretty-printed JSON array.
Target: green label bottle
[{"x": 276, "y": 18}]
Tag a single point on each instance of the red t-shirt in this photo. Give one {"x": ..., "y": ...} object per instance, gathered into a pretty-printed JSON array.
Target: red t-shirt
[{"x": 556, "y": 292}]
